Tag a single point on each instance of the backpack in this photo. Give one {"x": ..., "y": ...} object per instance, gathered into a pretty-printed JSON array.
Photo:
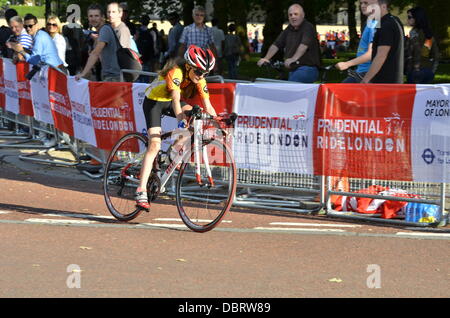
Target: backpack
[{"x": 128, "y": 59}]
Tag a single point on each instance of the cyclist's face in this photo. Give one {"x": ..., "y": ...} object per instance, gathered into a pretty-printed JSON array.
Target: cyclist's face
[
  {"x": 296, "y": 15},
  {"x": 196, "y": 75}
]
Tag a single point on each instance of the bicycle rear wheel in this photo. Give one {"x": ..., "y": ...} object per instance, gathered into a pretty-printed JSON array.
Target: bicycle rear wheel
[
  {"x": 121, "y": 176},
  {"x": 202, "y": 207}
]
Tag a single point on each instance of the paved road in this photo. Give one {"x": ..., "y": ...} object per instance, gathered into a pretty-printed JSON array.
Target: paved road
[{"x": 56, "y": 233}]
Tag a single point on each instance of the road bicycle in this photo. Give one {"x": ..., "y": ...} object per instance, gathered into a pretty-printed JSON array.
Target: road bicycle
[{"x": 203, "y": 166}]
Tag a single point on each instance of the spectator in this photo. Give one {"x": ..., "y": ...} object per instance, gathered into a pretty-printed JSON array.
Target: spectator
[
  {"x": 423, "y": 52},
  {"x": 76, "y": 45},
  {"x": 156, "y": 47},
  {"x": 144, "y": 41},
  {"x": 219, "y": 38},
  {"x": 174, "y": 35},
  {"x": 105, "y": 47},
  {"x": 114, "y": 14},
  {"x": 197, "y": 33},
  {"x": 53, "y": 27},
  {"x": 301, "y": 48},
  {"x": 5, "y": 34},
  {"x": 231, "y": 51},
  {"x": 21, "y": 36},
  {"x": 364, "y": 53},
  {"x": 126, "y": 18},
  {"x": 387, "y": 49},
  {"x": 43, "y": 46}
]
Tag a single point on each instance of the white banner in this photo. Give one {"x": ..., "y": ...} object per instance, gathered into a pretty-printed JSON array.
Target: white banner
[
  {"x": 430, "y": 140},
  {"x": 39, "y": 94},
  {"x": 81, "y": 110},
  {"x": 274, "y": 129},
  {"x": 11, "y": 88}
]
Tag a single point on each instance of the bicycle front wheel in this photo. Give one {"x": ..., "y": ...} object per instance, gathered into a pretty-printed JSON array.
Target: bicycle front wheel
[
  {"x": 121, "y": 176},
  {"x": 203, "y": 206}
]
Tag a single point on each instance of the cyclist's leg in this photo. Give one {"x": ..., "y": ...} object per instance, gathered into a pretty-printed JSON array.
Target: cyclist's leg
[{"x": 152, "y": 111}]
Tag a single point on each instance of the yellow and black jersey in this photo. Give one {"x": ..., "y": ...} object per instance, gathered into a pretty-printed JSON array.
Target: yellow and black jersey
[{"x": 176, "y": 79}]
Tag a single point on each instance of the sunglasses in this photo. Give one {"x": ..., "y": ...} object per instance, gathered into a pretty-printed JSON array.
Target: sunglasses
[
  {"x": 410, "y": 17},
  {"x": 200, "y": 73},
  {"x": 28, "y": 26},
  {"x": 52, "y": 24}
]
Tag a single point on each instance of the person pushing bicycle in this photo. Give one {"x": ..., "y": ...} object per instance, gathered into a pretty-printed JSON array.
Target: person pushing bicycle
[{"x": 180, "y": 78}]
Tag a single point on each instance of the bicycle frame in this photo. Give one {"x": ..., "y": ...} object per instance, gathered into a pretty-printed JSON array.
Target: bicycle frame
[{"x": 182, "y": 156}]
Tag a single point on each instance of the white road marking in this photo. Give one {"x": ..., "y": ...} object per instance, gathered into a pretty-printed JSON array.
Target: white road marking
[
  {"x": 79, "y": 215},
  {"x": 4, "y": 212},
  {"x": 297, "y": 229},
  {"x": 53, "y": 221},
  {"x": 417, "y": 234},
  {"x": 180, "y": 220},
  {"x": 175, "y": 226},
  {"x": 314, "y": 224}
]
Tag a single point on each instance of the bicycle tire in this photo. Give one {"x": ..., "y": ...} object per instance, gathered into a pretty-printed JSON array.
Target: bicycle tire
[
  {"x": 190, "y": 197},
  {"x": 118, "y": 191}
]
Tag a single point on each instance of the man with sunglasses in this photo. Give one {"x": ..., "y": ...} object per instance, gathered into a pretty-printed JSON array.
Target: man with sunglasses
[
  {"x": 179, "y": 79},
  {"x": 43, "y": 45}
]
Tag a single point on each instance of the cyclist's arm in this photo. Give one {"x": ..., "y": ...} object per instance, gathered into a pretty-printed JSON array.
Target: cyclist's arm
[
  {"x": 270, "y": 53},
  {"x": 176, "y": 97},
  {"x": 302, "y": 48},
  {"x": 366, "y": 57},
  {"x": 209, "y": 108},
  {"x": 377, "y": 63}
]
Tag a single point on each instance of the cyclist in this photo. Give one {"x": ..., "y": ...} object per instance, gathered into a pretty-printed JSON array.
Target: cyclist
[{"x": 181, "y": 78}]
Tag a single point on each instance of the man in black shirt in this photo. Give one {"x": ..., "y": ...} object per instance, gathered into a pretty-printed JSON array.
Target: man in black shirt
[
  {"x": 387, "y": 49},
  {"x": 301, "y": 48}
]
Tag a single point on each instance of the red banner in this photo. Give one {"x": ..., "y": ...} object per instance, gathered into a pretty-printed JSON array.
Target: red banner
[
  {"x": 221, "y": 96},
  {"x": 60, "y": 101},
  {"x": 112, "y": 112},
  {"x": 24, "y": 89},
  {"x": 359, "y": 126}
]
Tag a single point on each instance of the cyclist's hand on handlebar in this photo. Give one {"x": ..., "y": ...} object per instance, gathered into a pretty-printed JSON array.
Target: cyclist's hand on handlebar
[
  {"x": 289, "y": 61},
  {"x": 263, "y": 61},
  {"x": 342, "y": 66}
]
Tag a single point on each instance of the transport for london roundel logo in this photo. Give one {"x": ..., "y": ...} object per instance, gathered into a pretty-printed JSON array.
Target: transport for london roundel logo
[{"x": 428, "y": 156}]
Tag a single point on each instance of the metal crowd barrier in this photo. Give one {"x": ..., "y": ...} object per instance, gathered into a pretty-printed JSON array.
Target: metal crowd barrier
[
  {"x": 427, "y": 193},
  {"x": 291, "y": 192}
]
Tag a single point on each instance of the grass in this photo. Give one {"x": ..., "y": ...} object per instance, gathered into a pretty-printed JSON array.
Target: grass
[
  {"x": 37, "y": 11},
  {"x": 248, "y": 70}
]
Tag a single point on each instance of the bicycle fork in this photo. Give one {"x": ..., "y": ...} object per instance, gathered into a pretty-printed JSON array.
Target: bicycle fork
[{"x": 198, "y": 133}]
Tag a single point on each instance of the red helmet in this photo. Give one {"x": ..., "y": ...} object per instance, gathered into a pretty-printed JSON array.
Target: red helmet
[{"x": 200, "y": 58}]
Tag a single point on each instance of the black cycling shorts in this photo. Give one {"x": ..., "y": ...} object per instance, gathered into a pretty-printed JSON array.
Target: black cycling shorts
[{"x": 153, "y": 110}]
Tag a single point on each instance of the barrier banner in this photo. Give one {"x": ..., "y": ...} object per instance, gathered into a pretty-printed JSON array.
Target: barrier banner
[
  {"x": 40, "y": 96},
  {"x": 273, "y": 130},
  {"x": 83, "y": 125},
  {"x": 221, "y": 97},
  {"x": 112, "y": 112},
  {"x": 11, "y": 89},
  {"x": 60, "y": 101},
  {"x": 364, "y": 133},
  {"x": 24, "y": 89},
  {"x": 2, "y": 85},
  {"x": 431, "y": 134}
]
